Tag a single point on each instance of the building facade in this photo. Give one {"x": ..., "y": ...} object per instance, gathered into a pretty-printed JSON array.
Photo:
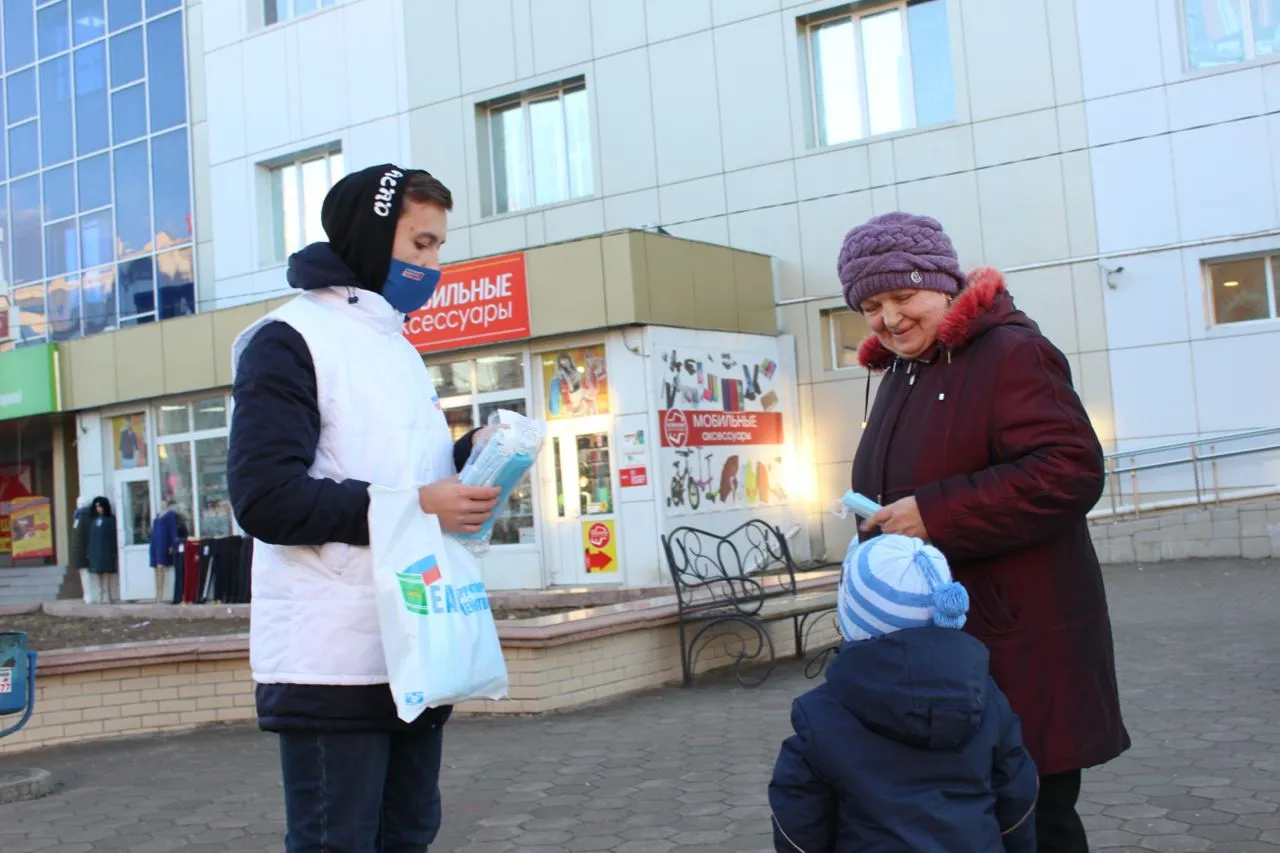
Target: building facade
[{"x": 1128, "y": 185}]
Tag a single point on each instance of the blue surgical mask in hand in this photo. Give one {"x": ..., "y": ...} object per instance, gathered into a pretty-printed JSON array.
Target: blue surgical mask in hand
[{"x": 408, "y": 287}]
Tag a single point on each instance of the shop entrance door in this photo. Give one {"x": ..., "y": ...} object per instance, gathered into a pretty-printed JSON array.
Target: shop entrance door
[
  {"x": 582, "y": 494},
  {"x": 133, "y": 529}
]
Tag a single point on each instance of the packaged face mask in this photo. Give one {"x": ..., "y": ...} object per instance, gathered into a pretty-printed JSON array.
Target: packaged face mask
[{"x": 502, "y": 462}]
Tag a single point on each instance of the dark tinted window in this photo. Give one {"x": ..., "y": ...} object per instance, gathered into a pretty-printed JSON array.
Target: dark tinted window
[
  {"x": 87, "y": 20},
  {"x": 133, "y": 201},
  {"x": 57, "y": 139},
  {"x": 164, "y": 73},
  {"x": 126, "y": 57},
  {"x": 95, "y": 238},
  {"x": 19, "y": 33},
  {"x": 53, "y": 28},
  {"x": 122, "y": 13},
  {"x": 95, "y": 182},
  {"x": 28, "y": 257},
  {"x": 172, "y": 187},
  {"x": 24, "y": 148},
  {"x": 92, "y": 132},
  {"x": 59, "y": 192},
  {"x": 21, "y": 91},
  {"x": 129, "y": 113}
]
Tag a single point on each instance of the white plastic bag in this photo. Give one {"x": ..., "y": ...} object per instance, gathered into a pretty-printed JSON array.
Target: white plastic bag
[{"x": 438, "y": 634}]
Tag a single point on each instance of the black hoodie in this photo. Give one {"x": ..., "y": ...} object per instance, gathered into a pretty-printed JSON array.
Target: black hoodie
[{"x": 908, "y": 746}]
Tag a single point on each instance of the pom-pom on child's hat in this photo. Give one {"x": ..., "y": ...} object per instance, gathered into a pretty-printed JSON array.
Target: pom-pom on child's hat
[{"x": 894, "y": 582}]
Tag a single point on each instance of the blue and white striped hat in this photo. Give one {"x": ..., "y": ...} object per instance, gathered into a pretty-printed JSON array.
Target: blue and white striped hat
[{"x": 894, "y": 582}]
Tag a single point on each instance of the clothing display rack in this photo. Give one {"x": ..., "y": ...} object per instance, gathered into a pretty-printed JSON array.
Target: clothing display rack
[{"x": 214, "y": 570}]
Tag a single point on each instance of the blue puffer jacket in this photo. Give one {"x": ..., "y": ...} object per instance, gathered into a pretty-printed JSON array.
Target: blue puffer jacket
[{"x": 909, "y": 746}]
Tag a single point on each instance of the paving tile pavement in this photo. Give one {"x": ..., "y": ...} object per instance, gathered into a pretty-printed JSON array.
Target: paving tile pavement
[{"x": 677, "y": 770}]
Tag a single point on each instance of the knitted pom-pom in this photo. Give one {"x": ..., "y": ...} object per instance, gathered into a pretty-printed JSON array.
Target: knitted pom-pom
[{"x": 950, "y": 604}]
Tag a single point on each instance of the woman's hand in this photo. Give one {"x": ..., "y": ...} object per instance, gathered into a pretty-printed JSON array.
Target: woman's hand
[
  {"x": 901, "y": 517},
  {"x": 460, "y": 509}
]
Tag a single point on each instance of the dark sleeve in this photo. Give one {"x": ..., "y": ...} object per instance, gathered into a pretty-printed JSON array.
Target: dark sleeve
[
  {"x": 462, "y": 450},
  {"x": 1015, "y": 779},
  {"x": 804, "y": 808},
  {"x": 1051, "y": 473},
  {"x": 275, "y": 429}
]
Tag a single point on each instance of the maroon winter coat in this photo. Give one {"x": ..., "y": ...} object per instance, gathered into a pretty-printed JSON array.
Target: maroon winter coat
[{"x": 990, "y": 437}]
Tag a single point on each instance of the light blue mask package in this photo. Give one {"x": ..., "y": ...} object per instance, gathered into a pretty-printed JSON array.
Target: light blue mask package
[{"x": 502, "y": 462}]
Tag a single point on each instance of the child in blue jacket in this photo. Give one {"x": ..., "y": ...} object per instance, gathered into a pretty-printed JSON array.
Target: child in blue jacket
[{"x": 909, "y": 746}]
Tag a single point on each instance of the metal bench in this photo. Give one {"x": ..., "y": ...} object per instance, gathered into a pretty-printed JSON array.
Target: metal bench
[
  {"x": 730, "y": 587},
  {"x": 17, "y": 679}
]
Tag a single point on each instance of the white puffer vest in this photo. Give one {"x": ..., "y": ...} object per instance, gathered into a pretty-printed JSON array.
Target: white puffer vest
[{"x": 313, "y": 618}]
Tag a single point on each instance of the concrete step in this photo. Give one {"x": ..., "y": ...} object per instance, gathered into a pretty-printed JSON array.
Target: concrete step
[{"x": 31, "y": 585}]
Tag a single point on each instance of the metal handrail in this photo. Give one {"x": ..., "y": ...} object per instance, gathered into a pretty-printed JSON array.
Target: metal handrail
[{"x": 1195, "y": 457}]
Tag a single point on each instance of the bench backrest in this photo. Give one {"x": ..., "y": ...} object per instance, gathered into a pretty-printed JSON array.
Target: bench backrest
[{"x": 748, "y": 564}]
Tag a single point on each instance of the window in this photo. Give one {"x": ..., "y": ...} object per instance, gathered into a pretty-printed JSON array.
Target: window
[
  {"x": 275, "y": 11},
  {"x": 539, "y": 148},
  {"x": 297, "y": 194},
  {"x": 1225, "y": 32},
  {"x": 95, "y": 181},
  {"x": 191, "y": 456},
  {"x": 844, "y": 332},
  {"x": 470, "y": 391},
  {"x": 879, "y": 71},
  {"x": 1244, "y": 290}
]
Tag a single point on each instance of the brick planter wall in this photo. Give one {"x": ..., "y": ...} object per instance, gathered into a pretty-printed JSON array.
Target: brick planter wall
[{"x": 1250, "y": 530}]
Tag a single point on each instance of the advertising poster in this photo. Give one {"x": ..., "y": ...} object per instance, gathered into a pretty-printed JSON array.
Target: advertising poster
[
  {"x": 633, "y": 469},
  {"x": 721, "y": 431},
  {"x": 476, "y": 303},
  {"x": 16, "y": 481},
  {"x": 129, "y": 434},
  {"x": 600, "y": 545},
  {"x": 576, "y": 383},
  {"x": 31, "y": 526}
]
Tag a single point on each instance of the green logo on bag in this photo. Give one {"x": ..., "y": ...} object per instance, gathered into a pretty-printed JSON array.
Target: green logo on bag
[{"x": 425, "y": 594}]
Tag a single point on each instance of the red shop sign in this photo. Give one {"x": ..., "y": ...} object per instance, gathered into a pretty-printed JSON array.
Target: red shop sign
[
  {"x": 476, "y": 303},
  {"x": 692, "y": 428}
]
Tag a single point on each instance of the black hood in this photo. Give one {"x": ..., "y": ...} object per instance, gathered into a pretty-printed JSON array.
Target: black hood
[
  {"x": 359, "y": 216},
  {"x": 318, "y": 266},
  {"x": 926, "y": 687}
]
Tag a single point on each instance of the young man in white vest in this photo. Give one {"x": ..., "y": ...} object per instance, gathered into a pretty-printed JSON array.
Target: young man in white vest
[{"x": 329, "y": 399}]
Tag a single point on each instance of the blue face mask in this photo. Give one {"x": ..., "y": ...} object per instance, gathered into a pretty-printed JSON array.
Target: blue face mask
[{"x": 408, "y": 287}]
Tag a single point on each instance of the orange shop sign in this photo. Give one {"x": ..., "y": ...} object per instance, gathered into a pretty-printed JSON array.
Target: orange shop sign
[{"x": 476, "y": 303}]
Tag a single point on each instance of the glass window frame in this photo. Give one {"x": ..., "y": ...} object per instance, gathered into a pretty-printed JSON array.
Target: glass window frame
[
  {"x": 808, "y": 28},
  {"x": 1271, "y": 271},
  {"x": 475, "y": 400},
  {"x": 525, "y": 103},
  {"x": 835, "y": 362},
  {"x": 1248, "y": 37},
  {"x": 275, "y": 12},
  {"x": 280, "y": 251},
  {"x": 117, "y": 315},
  {"x": 191, "y": 438}
]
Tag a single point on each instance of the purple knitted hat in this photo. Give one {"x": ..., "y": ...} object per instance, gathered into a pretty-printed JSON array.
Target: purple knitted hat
[{"x": 897, "y": 251}]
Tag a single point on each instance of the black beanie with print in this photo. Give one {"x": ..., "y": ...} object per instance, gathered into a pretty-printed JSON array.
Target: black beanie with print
[{"x": 360, "y": 214}]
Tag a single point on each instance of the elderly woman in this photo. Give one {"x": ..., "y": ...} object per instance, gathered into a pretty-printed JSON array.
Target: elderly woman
[{"x": 978, "y": 444}]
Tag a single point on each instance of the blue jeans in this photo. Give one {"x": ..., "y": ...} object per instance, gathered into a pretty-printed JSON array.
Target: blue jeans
[{"x": 361, "y": 792}]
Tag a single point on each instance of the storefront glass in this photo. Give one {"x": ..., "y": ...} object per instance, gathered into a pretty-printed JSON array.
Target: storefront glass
[
  {"x": 215, "y": 499},
  {"x": 471, "y": 391},
  {"x": 192, "y": 463}
]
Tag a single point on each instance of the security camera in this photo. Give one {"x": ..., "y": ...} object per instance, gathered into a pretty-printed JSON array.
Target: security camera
[{"x": 1110, "y": 272}]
